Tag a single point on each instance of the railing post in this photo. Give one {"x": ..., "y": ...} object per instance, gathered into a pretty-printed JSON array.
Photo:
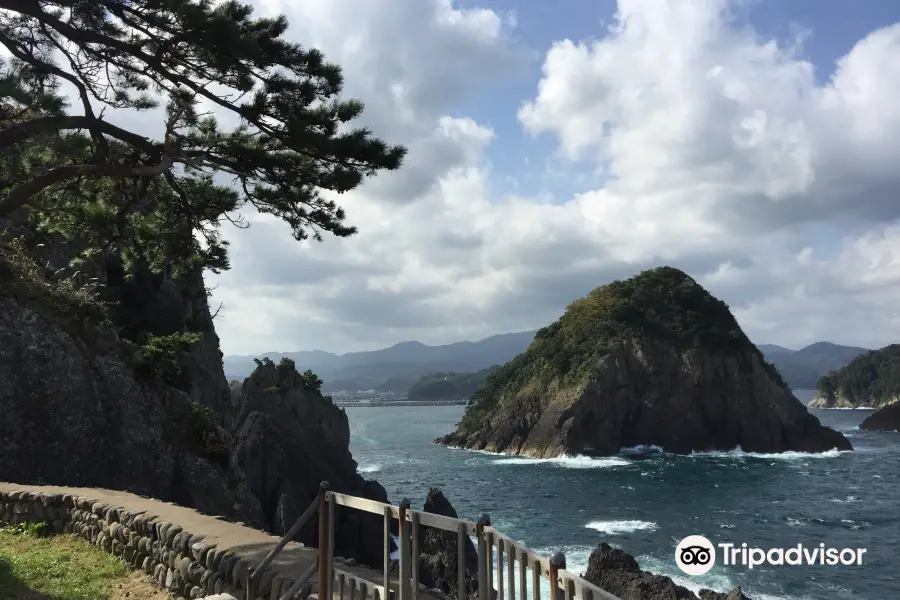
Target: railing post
[
  {"x": 332, "y": 508},
  {"x": 414, "y": 552},
  {"x": 483, "y": 565},
  {"x": 404, "y": 551},
  {"x": 388, "y": 517},
  {"x": 461, "y": 561},
  {"x": 251, "y": 586},
  {"x": 324, "y": 573},
  {"x": 557, "y": 562}
]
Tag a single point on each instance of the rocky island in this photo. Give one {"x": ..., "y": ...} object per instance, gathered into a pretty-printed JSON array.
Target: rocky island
[
  {"x": 655, "y": 360},
  {"x": 884, "y": 419},
  {"x": 871, "y": 380}
]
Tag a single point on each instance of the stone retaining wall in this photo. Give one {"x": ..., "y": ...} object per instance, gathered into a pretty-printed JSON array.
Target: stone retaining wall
[{"x": 176, "y": 560}]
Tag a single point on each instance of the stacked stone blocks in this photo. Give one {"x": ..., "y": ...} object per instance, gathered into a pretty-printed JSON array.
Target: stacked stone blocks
[{"x": 176, "y": 560}]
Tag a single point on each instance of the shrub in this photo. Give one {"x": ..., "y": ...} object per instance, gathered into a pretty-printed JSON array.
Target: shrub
[
  {"x": 162, "y": 358},
  {"x": 204, "y": 428},
  {"x": 39, "y": 529},
  {"x": 311, "y": 381}
]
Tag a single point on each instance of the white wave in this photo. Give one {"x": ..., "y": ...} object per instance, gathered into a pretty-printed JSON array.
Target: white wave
[
  {"x": 620, "y": 527},
  {"x": 568, "y": 462},
  {"x": 368, "y": 468},
  {"x": 641, "y": 450},
  {"x": 395, "y": 555},
  {"x": 790, "y": 455},
  {"x": 846, "y": 500},
  {"x": 851, "y": 408}
]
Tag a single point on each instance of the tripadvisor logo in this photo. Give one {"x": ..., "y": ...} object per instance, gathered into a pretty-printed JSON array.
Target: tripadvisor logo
[{"x": 696, "y": 555}]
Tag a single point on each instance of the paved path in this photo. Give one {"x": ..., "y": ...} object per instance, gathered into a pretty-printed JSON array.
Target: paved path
[{"x": 246, "y": 542}]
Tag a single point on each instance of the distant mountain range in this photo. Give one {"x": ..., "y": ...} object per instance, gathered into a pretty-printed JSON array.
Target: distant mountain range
[
  {"x": 395, "y": 368},
  {"x": 801, "y": 369},
  {"x": 400, "y": 366}
]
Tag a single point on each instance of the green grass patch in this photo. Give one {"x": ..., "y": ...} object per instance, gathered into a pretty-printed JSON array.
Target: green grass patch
[{"x": 35, "y": 566}]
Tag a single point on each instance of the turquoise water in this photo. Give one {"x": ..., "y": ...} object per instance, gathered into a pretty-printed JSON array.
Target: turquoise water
[{"x": 645, "y": 503}]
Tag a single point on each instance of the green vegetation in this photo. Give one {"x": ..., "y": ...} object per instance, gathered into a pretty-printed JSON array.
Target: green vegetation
[
  {"x": 872, "y": 379},
  {"x": 160, "y": 357},
  {"x": 286, "y": 371},
  {"x": 449, "y": 386},
  {"x": 33, "y": 565},
  {"x": 311, "y": 381},
  {"x": 204, "y": 429},
  {"x": 663, "y": 305},
  {"x": 59, "y": 298},
  {"x": 127, "y": 222}
]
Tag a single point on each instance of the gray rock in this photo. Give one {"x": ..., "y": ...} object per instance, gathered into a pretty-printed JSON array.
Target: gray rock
[
  {"x": 196, "y": 572},
  {"x": 618, "y": 573},
  {"x": 884, "y": 419},
  {"x": 276, "y": 432},
  {"x": 438, "y": 559},
  {"x": 63, "y": 396}
]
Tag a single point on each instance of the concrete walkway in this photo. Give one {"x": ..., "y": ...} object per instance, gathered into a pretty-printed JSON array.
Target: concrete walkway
[{"x": 248, "y": 543}]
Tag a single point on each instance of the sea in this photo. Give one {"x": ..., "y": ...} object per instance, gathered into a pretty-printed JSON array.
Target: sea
[{"x": 645, "y": 501}]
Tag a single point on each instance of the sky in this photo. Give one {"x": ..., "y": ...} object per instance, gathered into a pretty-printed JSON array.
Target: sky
[{"x": 556, "y": 146}]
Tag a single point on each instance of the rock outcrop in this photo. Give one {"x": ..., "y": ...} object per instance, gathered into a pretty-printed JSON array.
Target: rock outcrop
[
  {"x": 74, "y": 415},
  {"x": 438, "y": 560},
  {"x": 68, "y": 390},
  {"x": 287, "y": 439},
  {"x": 619, "y": 574},
  {"x": 871, "y": 380},
  {"x": 653, "y": 360},
  {"x": 884, "y": 419}
]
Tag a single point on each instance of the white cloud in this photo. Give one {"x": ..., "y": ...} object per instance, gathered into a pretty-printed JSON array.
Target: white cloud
[{"x": 721, "y": 154}]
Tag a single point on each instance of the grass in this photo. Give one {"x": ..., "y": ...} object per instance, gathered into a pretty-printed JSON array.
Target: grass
[{"x": 34, "y": 566}]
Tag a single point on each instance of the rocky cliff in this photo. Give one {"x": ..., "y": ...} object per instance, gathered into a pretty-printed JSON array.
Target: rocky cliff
[
  {"x": 71, "y": 385},
  {"x": 287, "y": 439},
  {"x": 63, "y": 396},
  {"x": 871, "y": 380},
  {"x": 883, "y": 419},
  {"x": 652, "y": 360},
  {"x": 618, "y": 573}
]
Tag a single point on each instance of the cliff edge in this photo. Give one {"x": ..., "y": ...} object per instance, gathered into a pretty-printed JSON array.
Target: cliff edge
[
  {"x": 654, "y": 359},
  {"x": 84, "y": 406}
]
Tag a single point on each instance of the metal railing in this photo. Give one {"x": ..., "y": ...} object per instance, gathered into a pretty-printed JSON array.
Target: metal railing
[{"x": 513, "y": 560}]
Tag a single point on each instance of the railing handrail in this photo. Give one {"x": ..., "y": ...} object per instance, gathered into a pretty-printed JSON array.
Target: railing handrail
[
  {"x": 574, "y": 587},
  {"x": 564, "y": 585}
]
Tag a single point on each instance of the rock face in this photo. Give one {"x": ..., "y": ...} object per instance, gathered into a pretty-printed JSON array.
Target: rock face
[
  {"x": 75, "y": 413},
  {"x": 438, "y": 561},
  {"x": 651, "y": 360},
  {"x": 287, "y": 439},
  {"x": 871, "y": 380},
  {"x": 619, "y": 574},
  {"x": 884, "y": 419},
  {"x": 74, "y": 416}
]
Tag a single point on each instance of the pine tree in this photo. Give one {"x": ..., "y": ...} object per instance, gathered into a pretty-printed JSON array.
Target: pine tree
[{"x": 78, "y": 169}]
